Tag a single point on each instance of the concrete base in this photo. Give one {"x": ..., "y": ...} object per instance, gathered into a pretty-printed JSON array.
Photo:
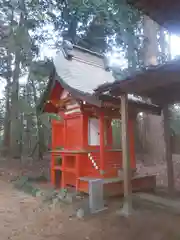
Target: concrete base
[
  {"x": 99, "y": 210},
  {"x": 96, "y": 201},
  {"x": 126, "y": 210}
]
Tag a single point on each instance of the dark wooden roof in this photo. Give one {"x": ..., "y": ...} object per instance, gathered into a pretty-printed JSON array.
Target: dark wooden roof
[
  {"x": 159, "y": 83},
  {"x": 164, "y": 12}
]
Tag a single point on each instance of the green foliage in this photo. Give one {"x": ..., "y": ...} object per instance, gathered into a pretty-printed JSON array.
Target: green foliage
[
  {"x": 23, "y": 184},
  {"x": 20, "y": 181},
  {"x": 119, "y": 74},
  {"x": 25, "y": 108},
  {"x": 39, "y": 70},
  {"x": 97, "y": 25},
  {"x": 47, "y": 117}
]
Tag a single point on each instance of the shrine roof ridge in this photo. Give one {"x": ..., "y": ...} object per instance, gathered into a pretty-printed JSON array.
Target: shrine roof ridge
[
  {"x": 85, "y": 50},
  {"x": 82, "y": 69}
]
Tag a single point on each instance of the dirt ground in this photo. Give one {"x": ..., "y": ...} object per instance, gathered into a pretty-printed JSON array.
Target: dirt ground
[{"x": 25, "y": 217}]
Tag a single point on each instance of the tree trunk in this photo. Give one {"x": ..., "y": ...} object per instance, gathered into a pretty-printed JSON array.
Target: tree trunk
[
  {"x": 7, "y": 118},
  {"x": 153, "y": 124},
  {"x": 15, "y": 124},
  {"x": 158, "y": 149},
  {"x": 29, "y": 122},
  {"x": 7, "y": 122},
  {"x": 40, "y": 133},
  {"x": 151, "y": 43}
]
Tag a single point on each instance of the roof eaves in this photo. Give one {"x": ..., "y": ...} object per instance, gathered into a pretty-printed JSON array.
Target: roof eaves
[
  {"x": 172, "y": 65},
  {"x": 77, "y": 94}
]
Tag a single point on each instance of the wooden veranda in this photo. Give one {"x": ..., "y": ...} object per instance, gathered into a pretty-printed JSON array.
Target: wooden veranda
[{"x": 161, "y": 85}]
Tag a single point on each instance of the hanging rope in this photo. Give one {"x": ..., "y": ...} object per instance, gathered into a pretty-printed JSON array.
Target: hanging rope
[{"x": 90, "y": 157}]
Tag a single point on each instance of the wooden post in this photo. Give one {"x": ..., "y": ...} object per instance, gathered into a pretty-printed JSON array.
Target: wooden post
[
  {"x": 127, "y": 207},
  {"x": 102, "y": 143},
  {"x": 131, "y": 144},
  {"x": 168, "y": 150}
]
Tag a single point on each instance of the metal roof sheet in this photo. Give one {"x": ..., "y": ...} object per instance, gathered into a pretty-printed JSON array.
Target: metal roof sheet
[
  {"x": 81, "y": 75},
  {"x": 84, "y": 72}
]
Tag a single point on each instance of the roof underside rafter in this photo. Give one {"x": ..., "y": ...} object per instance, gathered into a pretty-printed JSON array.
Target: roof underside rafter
[{"x": 164, "y": 12}]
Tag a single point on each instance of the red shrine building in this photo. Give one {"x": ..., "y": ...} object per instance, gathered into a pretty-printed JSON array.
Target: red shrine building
[{"x": 84, "y": 142}]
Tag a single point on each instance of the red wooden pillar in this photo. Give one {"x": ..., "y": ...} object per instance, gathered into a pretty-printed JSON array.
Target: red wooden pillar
[
  {"x": 77, "y": 171},
  {"x": 65, "y": 133},
  {"x": 131, "y": 144},
  {"x": 52, "y": 169},
  {"x": 84, "y": 119},
  {"x": 102, "y": 143},
  {"x": 63, "y": 172},
  {"x": 52, "y": 155}
]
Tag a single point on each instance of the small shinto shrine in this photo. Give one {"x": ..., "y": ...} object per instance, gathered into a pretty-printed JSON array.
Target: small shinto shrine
[{"x": 84, "y": 142}]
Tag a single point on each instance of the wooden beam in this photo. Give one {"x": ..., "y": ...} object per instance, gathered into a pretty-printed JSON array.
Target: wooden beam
[
  {"x": 168, "y": 150},
  {"x": 127, "y": 208}
]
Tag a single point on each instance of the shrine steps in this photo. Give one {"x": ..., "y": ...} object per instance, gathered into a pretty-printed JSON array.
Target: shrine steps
[{"x": 114, "y": 186}]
